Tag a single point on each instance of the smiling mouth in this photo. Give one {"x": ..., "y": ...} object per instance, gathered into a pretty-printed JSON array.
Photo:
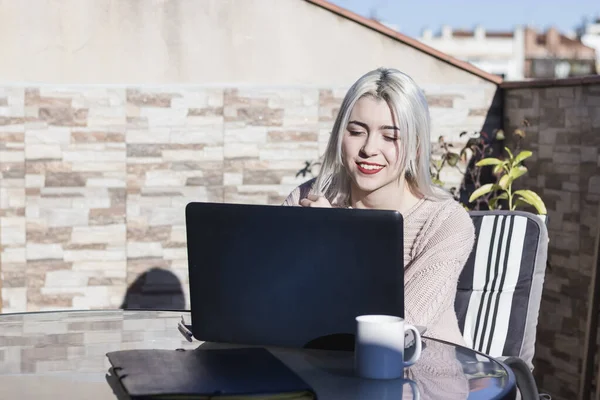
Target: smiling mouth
[{"x": 369, "y": 169}]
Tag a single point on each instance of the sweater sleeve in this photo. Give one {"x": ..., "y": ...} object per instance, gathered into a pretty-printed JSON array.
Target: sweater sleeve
[
  {"x": 431, "y": 277},
  {"x": 293, "y": 198},
  {"x": 299, "y": 193}
]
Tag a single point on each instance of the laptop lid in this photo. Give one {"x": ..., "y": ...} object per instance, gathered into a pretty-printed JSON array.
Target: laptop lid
[{"x": 285, "y": 276}]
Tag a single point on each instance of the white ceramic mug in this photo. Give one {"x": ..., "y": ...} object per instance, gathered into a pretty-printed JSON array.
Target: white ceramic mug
[{"x": 379, "y": 347}]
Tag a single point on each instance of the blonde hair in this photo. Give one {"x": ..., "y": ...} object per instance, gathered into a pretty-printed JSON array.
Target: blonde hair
[{"x": 408, "y": 103}]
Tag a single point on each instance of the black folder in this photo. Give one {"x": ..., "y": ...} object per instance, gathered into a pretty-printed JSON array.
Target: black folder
[{"x": 223, "y": 374}]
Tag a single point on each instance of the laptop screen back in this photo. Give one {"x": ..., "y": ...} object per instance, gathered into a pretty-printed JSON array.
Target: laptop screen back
[{"x": 285, "y": 276}]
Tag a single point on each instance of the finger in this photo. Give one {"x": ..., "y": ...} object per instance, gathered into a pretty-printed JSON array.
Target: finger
[
  {"x": 323, "y": 203},
  {"x": 313, "y": 197},
  {"x": 305, "y": 202}
]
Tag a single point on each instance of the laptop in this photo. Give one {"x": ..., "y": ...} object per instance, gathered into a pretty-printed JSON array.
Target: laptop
[{"x": 290, "y": 276}]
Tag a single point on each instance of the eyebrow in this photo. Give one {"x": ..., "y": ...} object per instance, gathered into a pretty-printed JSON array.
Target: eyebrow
[{"x": 362, "y": 124}]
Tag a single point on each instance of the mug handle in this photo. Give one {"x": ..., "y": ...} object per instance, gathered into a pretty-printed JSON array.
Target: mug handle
[
  {"x": 414, "y": 388},
  {"x": 417, "y": 353}
]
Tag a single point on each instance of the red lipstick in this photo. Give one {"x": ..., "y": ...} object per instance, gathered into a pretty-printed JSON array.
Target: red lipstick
[{"x": 369, "y": 171}]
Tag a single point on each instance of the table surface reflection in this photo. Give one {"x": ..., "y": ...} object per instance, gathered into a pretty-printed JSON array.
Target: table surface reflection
[{"x": 62, "y": 355}]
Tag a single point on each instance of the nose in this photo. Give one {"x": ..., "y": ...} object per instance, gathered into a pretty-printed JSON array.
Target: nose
[{"x": 369, "y": 148}]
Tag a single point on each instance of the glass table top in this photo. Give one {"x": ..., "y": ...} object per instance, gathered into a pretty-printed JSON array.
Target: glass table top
[{"x": 64, "y": 354}]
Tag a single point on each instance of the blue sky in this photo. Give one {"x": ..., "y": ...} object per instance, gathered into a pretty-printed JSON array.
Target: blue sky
[{"x": 412, "y": 16}]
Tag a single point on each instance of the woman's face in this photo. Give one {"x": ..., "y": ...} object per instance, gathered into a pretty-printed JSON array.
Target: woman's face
[{"x": 371, "y": 145}]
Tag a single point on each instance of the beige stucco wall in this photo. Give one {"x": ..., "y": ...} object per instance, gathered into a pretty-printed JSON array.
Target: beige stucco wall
[
  {"x": 271, "y": 42},
  {"x": 115, "y": 114}
]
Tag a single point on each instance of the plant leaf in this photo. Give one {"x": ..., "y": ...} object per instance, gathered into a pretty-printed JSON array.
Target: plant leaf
[
  {"x": 485, "y": 189},
  {"x": 500, "y": 135},
  {"x": 522, "y": 156},
  {"x": 517, "y": 171},
  {"x": 489, "y": 161},
  {"x": 519, "y": 132},
  {"x": 505, "y": 181},
  {"x": 463, "y": 156},
  {"x": 499, "y": 168},
  {"x": 530, "y": 197},
  {"x": 510, "y": 154},
  {"x": 494, "y": 201},
  {"x": 452, "y": 158},
  {"x": 519, "y": 202},
  {"x": 472, "y": 142}
]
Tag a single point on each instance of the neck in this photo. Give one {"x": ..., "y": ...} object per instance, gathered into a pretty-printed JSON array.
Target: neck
[{"x": 395, "y": 196}]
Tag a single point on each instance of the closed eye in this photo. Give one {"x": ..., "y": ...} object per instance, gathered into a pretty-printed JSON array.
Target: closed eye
[
  {"x": 390, "y": 138},
  {"x": 355, "y": 133}
]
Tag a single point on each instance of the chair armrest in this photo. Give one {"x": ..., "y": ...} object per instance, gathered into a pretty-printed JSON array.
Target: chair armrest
[{"x": 526, "y": 385}]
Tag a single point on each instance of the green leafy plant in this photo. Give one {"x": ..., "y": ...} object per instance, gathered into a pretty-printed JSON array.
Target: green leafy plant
[
  {"x": 478, "y": 145},
  {"x": 448, "y": 157},
  {"x": 490, "y": 172},
  {"x": 509, "y": 170}
]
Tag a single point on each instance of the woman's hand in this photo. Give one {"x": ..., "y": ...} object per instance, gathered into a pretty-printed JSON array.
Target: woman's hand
[{"x": 312, "y": 200}]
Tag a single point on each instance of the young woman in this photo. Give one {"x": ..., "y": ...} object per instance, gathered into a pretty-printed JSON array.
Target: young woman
[{"x": 378, "y": 158}]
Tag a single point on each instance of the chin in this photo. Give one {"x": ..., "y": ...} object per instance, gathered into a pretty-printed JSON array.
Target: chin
[{"x": 369, "y": 184}]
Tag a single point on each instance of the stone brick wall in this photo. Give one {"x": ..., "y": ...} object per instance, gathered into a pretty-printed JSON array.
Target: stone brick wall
[
  {"x": 94, "y": 180},
  {"x": 565, "y": 171}
]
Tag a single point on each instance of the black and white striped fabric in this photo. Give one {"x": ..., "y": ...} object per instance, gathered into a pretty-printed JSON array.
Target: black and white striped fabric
[{"x": 500, "y": 288}]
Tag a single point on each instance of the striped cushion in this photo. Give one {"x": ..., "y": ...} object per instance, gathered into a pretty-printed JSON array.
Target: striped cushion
[{"x": 499, "y": 290}]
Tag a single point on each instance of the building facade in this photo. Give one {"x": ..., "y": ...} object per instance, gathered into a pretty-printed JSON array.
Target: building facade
[
  {"x": 589, "y": 34},
  {"x": 499, "y": 53},
  {"x": 522, "y": 53},
  {"x": 553, "y": 54}
]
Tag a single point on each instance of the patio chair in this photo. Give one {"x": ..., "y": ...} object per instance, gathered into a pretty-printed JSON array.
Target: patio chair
[{"x": 500, "y": 290}]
